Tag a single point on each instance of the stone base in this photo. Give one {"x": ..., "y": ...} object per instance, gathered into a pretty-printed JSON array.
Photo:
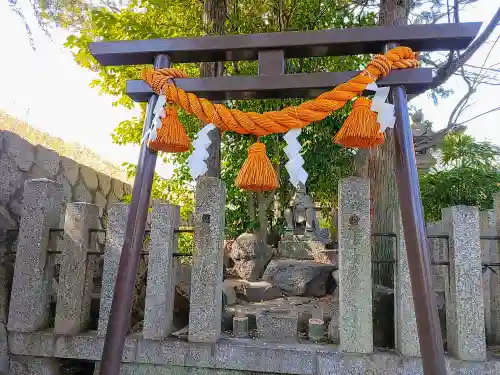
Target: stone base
[
  {"x": 277, "y": 324},
  {"x": 302, "y": 250}
]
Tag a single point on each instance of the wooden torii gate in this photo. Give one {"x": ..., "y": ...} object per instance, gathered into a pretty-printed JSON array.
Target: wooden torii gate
[{"x": 271, "y": 50}]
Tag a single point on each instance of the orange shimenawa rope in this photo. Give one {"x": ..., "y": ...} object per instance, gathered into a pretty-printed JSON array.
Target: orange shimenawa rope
[{"x": 288, "y": 118}]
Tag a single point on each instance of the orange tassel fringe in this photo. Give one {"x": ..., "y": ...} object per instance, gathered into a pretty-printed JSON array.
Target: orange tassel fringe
[
  {"x": 360, "y": 129},
  {"x": 257, "y": 173},
  {"x": 171, "y": 137}
]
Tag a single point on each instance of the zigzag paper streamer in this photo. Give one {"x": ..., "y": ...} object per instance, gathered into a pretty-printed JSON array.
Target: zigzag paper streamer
[
  {"x": 197, "y": 160},
  {"x": 295, "y": 163},
  {"x": 385, "y": 111},
  {"x": 159, "y": 113}
]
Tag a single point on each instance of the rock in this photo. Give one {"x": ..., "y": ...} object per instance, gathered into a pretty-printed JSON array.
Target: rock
[
  {"x": 19, "y": 150},
  {"x": 89, "y": 177},
  {"x": 229, "y": 293},
  {"x": 70, "y": 170},
  {"x": 37, "y": 172},
  {"x": 254, "y": 291},
  {"x": 301, "y": 277},
  {"x": 117, "y": 187},
  {"x": 9, "y": 179},
  {"x": 48, "y": 160},
  {"x": 183, "y": 279},
  {"x": 104, "y": 183},
  {"x": 249, "y": 256},
  {"x": 112, "y": 199},
  {"x": 81, "y": 194},
  {"x": 302, "y": 250}
]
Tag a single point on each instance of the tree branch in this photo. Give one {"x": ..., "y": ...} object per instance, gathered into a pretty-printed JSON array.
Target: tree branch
[{"x": 481, "y": 114}]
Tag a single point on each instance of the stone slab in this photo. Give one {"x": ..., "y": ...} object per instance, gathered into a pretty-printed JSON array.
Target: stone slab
[
  {"x": 355, "y": 265},
  {"x": 115, "y": 235},
  {"x": 247, "y": 355},
  {"x": 160, "y": 289},
  {"x": 206, "y": 276},
  {"x": 29, "y": 304},
  {"x": 75, "y": 275},
  {"x": 466, "y": 330},
  {"x": 277, "y": 325}
]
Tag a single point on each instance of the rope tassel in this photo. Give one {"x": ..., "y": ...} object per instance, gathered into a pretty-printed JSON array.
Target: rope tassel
[
  {"x": 360, "y": 129},
  {"x": 171, "y": 136},
  {"x": 257, "y": 173}
]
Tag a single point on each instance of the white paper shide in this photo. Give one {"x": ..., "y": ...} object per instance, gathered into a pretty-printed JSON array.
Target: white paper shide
[
  {"x": 295, "y": 163},
  {"x": 197, "y": 160},
  {"x": 385, "y": 111}
]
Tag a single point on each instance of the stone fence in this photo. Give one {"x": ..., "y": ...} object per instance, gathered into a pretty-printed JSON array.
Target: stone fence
[{"x": 472, "y": 297}]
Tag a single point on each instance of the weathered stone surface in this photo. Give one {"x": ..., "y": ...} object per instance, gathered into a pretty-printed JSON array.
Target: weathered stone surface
[
  {"x": 206, "y": 278},
  {"x": 37, "y": 172},
  {"x": 19, "y": 150},
  {"x": 249, "y": 256},
  {"x": 355, "y": 265},
  {"x": 100, "y": 200},
  {"x": 89, "y": 177},
  {"x": 160, "y": 289},
  {"x": 10, "y": 178},
  {"x": 466, "y": 332},
  {"x": 6, "y": 220},
  {"x": 112, "y": 199},
  {"x": 229, "y": 293},
  {"x": 302, "y": 250},
  {"x": 117, "y": 218},
  {"x": 81, "y": 193},
  {"x": 48, "y": 160},
  {"x": 29, "y": 304},
  {"x": 495, "y": 280},
  {"x": 68, "y": 191},
  {"x": 277, "y": 324},
  {"x": 301, "y": 277},
  {"x": 70, "y": 169},
  {"x": 104, "y": 183},
  {"x": 254, "y": 291},
  {"x": 75, "y": 275},
  {"x": 117, "y": 187},
  {"x": 34, "y": 366}
]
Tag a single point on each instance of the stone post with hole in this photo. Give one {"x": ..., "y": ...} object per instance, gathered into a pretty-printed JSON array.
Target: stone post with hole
[
  {"x": 355, "y": 265},
  {"x": 30, "y": 297},
  {"x": 115, "y": 236},
  {"x": 206, "y": 275},
  {"x": 465, "y": 323},
  {"x": 160, "y": 289}
]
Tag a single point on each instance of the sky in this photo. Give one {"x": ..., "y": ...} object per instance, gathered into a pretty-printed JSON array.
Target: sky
[{"x": 46, "y": 88}]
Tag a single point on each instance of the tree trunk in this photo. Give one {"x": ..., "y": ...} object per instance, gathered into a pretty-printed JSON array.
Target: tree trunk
[
  {"x": 379, "y": 165},
  {"x": 214, "y": 17}
]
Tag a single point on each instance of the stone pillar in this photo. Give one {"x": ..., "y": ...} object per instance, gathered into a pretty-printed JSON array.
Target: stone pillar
[
  {"x": 407, "y": 343},
  {"x": 21, "y": 365},
  {"x": 30, "y": 297},
  {"x": 466, "y": 335},
  {"x": 115, "y": 235},
  {"x": 160, "y": 290},
  {"x": 495, "y": 278},
  {"x": 488, "y": 255},
  {"x": 355, "y": 265},
  {"x": 206, "y": 275},
  {"x": 75, "y": 276}
]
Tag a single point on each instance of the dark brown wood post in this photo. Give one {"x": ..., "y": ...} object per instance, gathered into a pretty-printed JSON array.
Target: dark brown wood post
[
  {"x": 419, "y": 262},
  {"x": 121, "y": 307}
]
